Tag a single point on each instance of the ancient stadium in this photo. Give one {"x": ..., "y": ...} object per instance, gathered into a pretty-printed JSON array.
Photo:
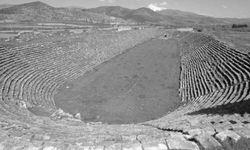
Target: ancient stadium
[{"x": 125, "y": 83}]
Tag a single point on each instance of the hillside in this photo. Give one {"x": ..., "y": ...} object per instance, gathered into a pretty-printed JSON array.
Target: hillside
[
  {"x": 41, "y": 12},
  {"x": 144, "y": 15},
  {"x": 138, "y": 15},
  {"x": 167, "y": 16},
  {"x": 5, "y": 6},
  {"x": 170, "y": 17},
  {"x": 115, "y": 11},
  {"x": 38, "y": 11},
  {"x": 182, "y": 17},
  {"x": 173, "y": 12}
]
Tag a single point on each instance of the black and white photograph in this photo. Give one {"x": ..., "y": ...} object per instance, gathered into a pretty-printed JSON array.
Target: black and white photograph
[{"x": 125, "y": 75}]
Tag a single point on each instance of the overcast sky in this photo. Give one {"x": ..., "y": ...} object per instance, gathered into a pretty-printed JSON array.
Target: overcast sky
[{"x": 216, "y": 8}]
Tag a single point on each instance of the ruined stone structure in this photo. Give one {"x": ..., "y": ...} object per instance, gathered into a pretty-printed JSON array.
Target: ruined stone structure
[{"x": 214, "y": 87}]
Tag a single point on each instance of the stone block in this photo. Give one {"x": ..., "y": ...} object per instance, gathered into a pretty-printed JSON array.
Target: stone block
[
  {"x": 114, "y": 147},
  {"x": 132, "y": 147},
  {"x": 50, "y": 148},
  {"x": 31, "y": 148},
  {"x": 244, "y": 132},
  {"x": 155, "y": 146},
  {"x": 208, "y": 142},
  {"x": 224, "y": 135},
  {"x": 179, "y": 142}
]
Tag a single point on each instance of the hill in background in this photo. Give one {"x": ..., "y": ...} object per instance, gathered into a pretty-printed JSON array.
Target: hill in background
[
  {"x": 41, "y": 12},
  {"x": 167, "y": 16},
  {"x": 115, "y": 11},
  {"x": 5, "y": 6}
]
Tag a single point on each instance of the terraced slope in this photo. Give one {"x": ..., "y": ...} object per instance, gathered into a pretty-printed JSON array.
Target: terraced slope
[
  {"x": 214, "y": 85},
  {"x": 215, "y": 73}
]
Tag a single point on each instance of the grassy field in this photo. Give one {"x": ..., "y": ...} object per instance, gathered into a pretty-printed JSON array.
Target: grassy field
[{"x": 139, "y": 85}]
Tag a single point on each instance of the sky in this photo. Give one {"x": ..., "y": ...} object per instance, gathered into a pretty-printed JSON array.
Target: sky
[{"x": 215, "y": 8}]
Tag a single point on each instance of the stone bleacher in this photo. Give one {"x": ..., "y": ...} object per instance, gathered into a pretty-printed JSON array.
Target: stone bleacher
[{"x": 213, "y": 76}]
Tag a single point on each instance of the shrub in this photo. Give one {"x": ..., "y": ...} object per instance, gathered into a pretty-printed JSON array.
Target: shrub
[{"x": 239, "y": 26}]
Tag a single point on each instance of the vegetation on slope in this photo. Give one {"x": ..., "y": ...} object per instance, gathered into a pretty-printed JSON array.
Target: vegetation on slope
[{"x": 38, "y": 11}]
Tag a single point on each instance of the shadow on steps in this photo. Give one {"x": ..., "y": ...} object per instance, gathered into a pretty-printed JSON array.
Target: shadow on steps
[{"x": 235, "y": 108}]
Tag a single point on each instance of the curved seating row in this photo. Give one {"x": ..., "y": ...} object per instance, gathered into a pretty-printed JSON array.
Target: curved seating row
[
  {"x": 212, "y": 73},
  {"x": 32, "y": 72}
]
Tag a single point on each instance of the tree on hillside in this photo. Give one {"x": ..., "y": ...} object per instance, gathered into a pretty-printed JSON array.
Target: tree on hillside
[{"x": 239, "y": 26}]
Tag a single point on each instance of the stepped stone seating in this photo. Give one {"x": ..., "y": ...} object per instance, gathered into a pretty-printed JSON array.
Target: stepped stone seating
[
  {"x": 214, "y": 87},
  {"x": 225, "y": 69}
]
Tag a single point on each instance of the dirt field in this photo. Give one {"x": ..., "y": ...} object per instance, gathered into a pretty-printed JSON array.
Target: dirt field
[{"x": 139, "y": 85}]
